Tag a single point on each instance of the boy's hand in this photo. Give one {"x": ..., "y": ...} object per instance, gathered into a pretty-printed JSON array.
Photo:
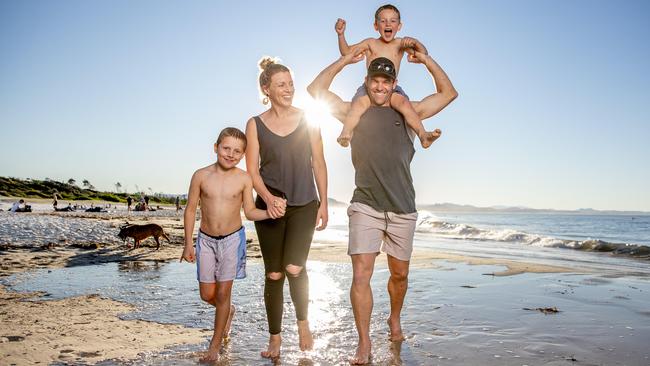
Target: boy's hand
[
  {"x": 188, "y": 254},
  {"x": 339, "y": 27}
]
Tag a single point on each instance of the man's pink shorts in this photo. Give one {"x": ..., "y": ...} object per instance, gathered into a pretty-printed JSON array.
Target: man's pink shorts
[{"x": 370, "y": 228}]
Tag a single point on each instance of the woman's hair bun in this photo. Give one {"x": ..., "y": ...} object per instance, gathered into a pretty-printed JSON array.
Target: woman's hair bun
[{"x": 266, "y": 62}]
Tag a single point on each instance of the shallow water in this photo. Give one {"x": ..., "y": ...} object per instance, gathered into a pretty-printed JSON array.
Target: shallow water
[{"x": 453, "y": 315}]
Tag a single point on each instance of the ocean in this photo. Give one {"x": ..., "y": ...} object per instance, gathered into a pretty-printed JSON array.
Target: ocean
[{"x": 620, "y": 243}]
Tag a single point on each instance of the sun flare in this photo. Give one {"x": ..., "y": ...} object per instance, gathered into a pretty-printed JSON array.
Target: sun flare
[{"x": 316, "y": 111}]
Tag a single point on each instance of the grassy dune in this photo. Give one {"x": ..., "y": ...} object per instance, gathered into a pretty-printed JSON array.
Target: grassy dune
[{"x": 33, "y": 188}]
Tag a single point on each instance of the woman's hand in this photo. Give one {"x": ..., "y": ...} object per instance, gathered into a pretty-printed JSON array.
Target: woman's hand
[
  {"x": 276, "y": 206},
  {"x": 321, "y": 217}
]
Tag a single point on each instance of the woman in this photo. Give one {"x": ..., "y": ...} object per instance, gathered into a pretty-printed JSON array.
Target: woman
[{"x": 283, "y": 157}]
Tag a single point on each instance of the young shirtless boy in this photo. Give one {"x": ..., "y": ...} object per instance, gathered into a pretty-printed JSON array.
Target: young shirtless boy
[
  {"x": 220, "y": 255},
  {"x": 387, "y": 23}
]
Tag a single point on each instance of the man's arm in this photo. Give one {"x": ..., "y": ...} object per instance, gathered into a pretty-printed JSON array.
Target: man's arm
[
  {"x": 445, "y": 91},
  {"x": 189, "y": 217},
  {"x": 319, "y": 88}
]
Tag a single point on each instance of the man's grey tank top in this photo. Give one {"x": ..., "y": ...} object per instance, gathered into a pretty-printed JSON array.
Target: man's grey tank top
[
  {"x": 285, "y": 163},
  {"x": 381, "y": 154}
]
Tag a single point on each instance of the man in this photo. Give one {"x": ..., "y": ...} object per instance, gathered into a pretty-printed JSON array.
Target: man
[{"x": 383, "y": 204}]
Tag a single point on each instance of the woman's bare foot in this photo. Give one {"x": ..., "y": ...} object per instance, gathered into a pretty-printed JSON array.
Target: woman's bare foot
[
  {"x": 273, "y": 349},
  {"x": 427, "y": 138},
  {"x": 395, "y": 330},
  {"x": 305, "y": 338},
  {"x": 362, "y": 357},
  {"x": 226, "y": 330}
]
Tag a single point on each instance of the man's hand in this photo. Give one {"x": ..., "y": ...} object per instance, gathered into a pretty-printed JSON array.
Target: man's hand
[
  {"x": 188, "y": 254},
  {"x": 322, "y": 217},
  {"x": 355, "y": 55},
  {"x": 411, "y": 45},
  {"x": 417, "y": 57},
  {"x": 339, "y": 27},
  {"x": 408, "y": 43}
]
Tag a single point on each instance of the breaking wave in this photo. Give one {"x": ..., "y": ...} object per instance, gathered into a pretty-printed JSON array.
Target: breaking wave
[{"x": 449, "y": 230}]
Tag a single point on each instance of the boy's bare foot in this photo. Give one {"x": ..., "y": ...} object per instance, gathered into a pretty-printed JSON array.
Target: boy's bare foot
[
  {"x": 427, "y": 138},
  {"x": 344, "y": 138},
  {"x": 305, "y": 338},
  {"x": 362, "y": 357},
  {"x": 211, "y": 356},
  {"x": 395, "y": 327},
  {"x": 226, "y": 330},
  {"x": 273, "y": 350}
]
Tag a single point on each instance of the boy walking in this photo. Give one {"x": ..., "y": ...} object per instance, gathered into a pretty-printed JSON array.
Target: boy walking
[{"x": 220, "y": 254}]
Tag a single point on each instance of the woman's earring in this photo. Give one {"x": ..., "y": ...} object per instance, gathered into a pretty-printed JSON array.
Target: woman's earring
[{"x": 265, "y": 100}]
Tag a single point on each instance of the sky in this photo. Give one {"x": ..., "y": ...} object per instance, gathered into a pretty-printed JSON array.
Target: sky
[{"x": 552, "y": 110}]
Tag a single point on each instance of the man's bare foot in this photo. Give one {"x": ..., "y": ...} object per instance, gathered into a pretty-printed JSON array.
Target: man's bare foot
[
  {"x": 305, "y": 338},
  {"x": 427, "y": 138},
  {"x": 273, "y": 350},
  {"x": 211, "y": 356},
  {"x": 396, "y": 352},
  {"x": 395, "y": 327},
  {"x": 226, "y": 330},
  {"x": 344, "y": 138},
  {"x": 362, "y": 357}
]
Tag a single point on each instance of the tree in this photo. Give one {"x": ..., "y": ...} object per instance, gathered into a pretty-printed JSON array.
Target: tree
[
  {"x": 118, "y": 186},
  {"x": 86, "y": 183},
  {"x": 71, "y": 181}
]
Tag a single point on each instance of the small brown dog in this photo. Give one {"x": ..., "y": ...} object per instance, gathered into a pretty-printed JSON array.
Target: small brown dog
[{"x": 141, "y": 232}]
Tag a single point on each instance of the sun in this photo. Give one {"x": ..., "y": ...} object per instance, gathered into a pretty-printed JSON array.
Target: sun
[{"x": 316, "y": 111}]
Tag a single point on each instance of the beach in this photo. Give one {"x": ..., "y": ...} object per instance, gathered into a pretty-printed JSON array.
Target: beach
[{"x": 73, "y": 293}]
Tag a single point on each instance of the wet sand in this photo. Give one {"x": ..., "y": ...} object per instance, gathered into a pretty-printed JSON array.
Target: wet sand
[{"x": 79, "y": 329}]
